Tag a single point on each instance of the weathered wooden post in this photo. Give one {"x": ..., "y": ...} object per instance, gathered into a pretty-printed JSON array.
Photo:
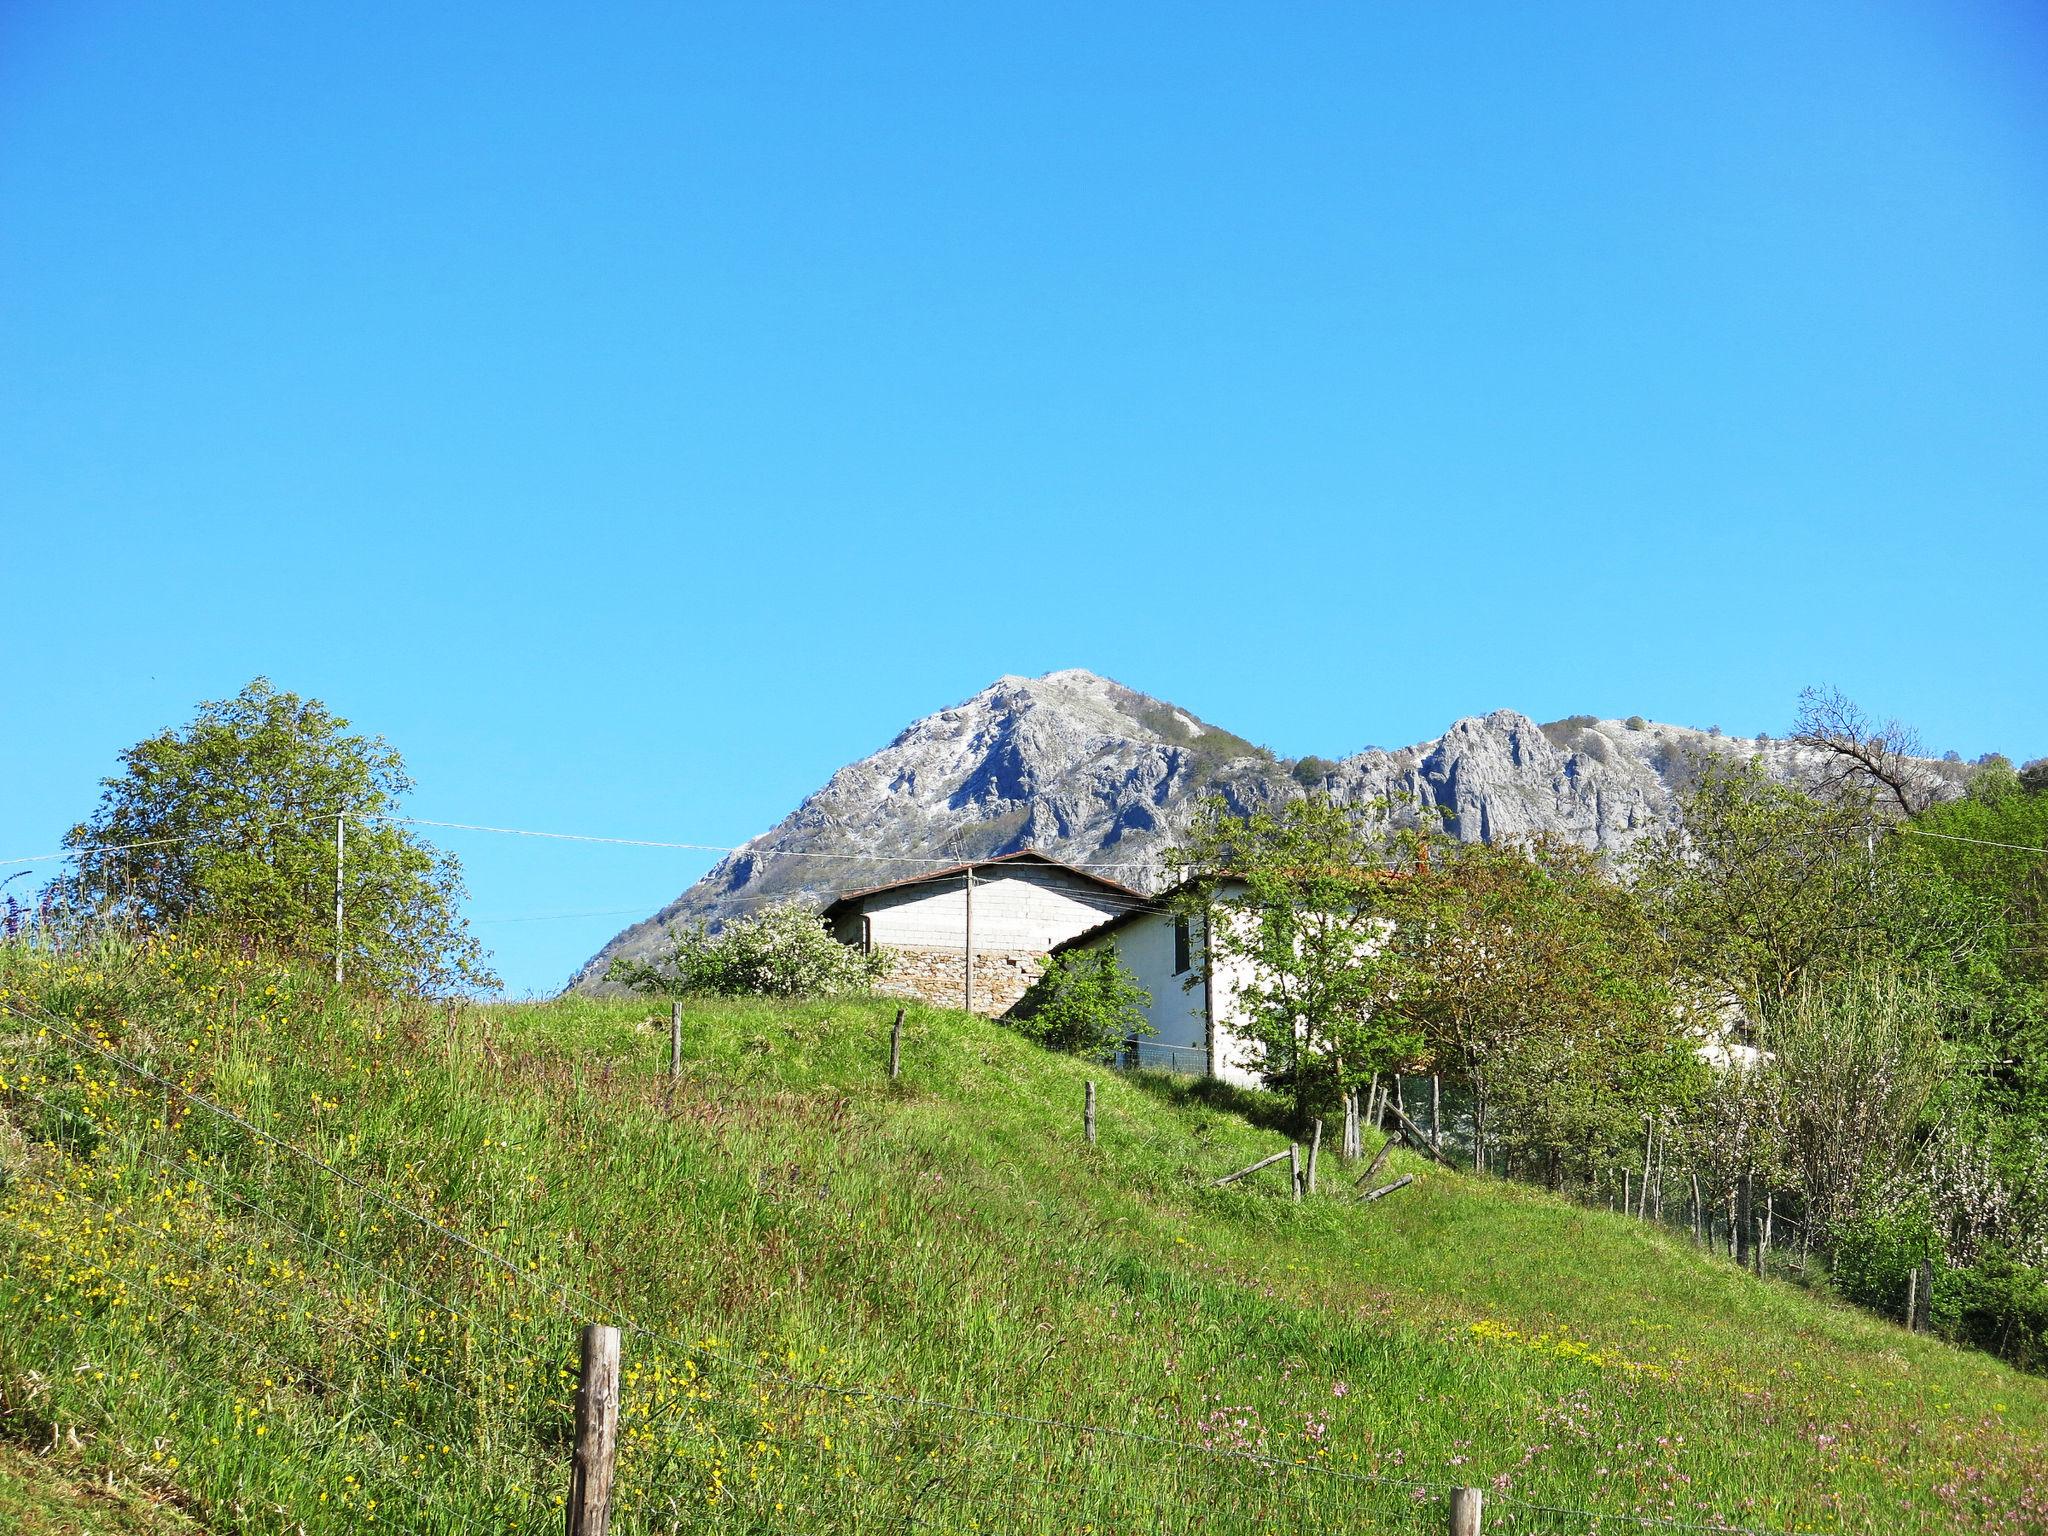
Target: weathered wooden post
[
  {"x": 1294, "y": 1168},
  {"x": 1088, "y": 1112},
  {"x": 1466, "y": 1504},
  {"x": 1436, "y": 1115},
  {"x": 597, "y": 1432},
  {"x": 675, "y": 1040},
  {"x": 1913, "y": 1299},
  {"x": 896, "y": 1047},
  {"x": 1315, "y": 1148}
]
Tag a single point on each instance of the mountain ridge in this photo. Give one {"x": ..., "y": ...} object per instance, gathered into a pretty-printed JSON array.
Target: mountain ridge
[{"x": 1091, "y": 771}]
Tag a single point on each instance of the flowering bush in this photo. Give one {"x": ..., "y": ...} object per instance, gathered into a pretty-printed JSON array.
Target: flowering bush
[{"x": 780, "y": 951}]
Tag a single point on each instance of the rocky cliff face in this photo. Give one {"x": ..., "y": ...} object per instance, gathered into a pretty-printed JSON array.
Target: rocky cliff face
[{"x": 1096, "y": 773}]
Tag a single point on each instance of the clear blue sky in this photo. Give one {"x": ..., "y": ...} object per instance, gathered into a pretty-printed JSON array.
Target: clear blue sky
[{"x": 636, "y": 412}]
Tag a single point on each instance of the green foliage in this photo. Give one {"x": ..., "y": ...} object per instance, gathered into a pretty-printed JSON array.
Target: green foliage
[
  {"x": 1999, "y": 1304},
  {"x": 1300, "y": 899},
  {"x": 1852, "y": 1071},
  {"x": 780, "y": 951},
  {"x": 1309, "y": 772},
  {"x": 1542, "y": 984},
  {"x": 1766, "y": 887},
  {"x": 1084, "y": 1003},
  {"x": 784, "y": 1205},
  {"x": 1876, "y": 1253},
  {"x": 237, "y": 814},
  {"x": 1636, "y": 723}
]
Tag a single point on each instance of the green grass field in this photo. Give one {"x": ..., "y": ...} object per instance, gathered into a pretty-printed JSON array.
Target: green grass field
[{"x": 856, "y": 1304}]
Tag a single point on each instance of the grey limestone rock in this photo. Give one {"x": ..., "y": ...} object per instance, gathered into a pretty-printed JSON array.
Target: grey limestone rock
[{"x": 1089, "y": 771}]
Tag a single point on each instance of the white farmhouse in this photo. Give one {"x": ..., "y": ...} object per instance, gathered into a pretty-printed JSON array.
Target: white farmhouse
[
  {"x": 1193, "y": 1003},
  {"x": 971, "y": 936}
]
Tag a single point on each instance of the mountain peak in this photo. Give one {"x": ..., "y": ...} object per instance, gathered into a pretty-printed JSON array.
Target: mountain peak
[{"x": 1083, "y": 768}]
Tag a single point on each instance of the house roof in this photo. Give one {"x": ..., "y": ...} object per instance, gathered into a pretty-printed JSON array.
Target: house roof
[
  {"x": 1154, "y": 906},
  {"x": 955, "y": 871}
]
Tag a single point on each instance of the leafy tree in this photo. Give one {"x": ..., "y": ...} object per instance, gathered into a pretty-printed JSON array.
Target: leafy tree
[
  {"x": 1542, "y": 985},
  {"x": 1766, "y": 886},
  {"x": 1850, "y": 1070},
  {"x": 1084, "y": 1002},
  {"x": 781, "y": 951},
  {"x": 230, "y": 823},
  {"x": 1301, "y": 903}
]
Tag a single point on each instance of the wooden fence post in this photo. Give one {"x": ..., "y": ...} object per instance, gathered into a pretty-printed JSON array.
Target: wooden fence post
[
  {"x": 675, "y": 1040},
  {"x": 1315, "y": 1147},
  {"x": 1294, "y": 1167},
  {"x": 896, "y": 1047},
  {"x": 1088, "y": 1112},
  {"x": 1913, "y": 1299},
  {"x": 597, "y": 1432},
  {"x": 1466, "y": 1504},
  {"x": 1926, "y": 1295}
]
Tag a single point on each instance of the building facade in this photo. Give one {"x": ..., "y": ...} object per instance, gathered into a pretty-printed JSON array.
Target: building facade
[{"x": 972, "y": 936}]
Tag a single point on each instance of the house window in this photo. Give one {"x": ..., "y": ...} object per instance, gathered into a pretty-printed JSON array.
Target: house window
[{"x": 1181, "y": 959}]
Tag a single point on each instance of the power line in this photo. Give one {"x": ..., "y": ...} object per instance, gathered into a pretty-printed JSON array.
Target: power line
[
  {"x": 744, "y": 848},
  {"x": 1981, "y": 842}
]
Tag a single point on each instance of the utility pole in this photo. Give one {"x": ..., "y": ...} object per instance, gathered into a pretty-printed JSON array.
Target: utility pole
[
  {"x": 340, "y": 852},
  {"x": 968, "y": 990}
]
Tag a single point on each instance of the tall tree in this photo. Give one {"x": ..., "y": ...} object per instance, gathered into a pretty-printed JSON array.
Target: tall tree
[
  {"x": 1544, "y": 987},
  {"x": 230, "y": 823},
  {"x": 1300, "y": 906},
  {"x": 1765, "y": 886}
]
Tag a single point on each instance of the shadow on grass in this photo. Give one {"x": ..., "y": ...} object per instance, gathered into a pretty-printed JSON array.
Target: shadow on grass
[{"x": 1269, "y": 1111}]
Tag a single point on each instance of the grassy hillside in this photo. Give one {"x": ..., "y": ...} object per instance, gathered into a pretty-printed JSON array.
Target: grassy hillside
[{"x": 852, "y": 1303}]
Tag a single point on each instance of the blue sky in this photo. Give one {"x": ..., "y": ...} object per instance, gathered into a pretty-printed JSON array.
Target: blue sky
[{"x": 636, "y": 412}]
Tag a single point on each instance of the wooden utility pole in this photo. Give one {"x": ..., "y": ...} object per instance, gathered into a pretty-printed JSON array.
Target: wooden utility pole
[
  {"x": 1466, "y": 1504},
  {"x": 968, "y": 989},
  {"x": 1088, "y": 1112},
  {"x": 896, "y": 1047},
  {"x": 340, "y": 852},
  {"x": 597, "y": 1433}
]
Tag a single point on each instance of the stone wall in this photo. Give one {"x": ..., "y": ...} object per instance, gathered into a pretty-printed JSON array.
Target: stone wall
[{"x": 936, "y": 976}]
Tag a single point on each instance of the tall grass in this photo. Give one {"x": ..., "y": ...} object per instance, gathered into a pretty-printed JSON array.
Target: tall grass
[{"x": 852, "y": 1303}]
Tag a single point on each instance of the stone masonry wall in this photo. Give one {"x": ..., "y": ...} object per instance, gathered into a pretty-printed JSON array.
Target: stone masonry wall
[{"x": 936, "y": 976}]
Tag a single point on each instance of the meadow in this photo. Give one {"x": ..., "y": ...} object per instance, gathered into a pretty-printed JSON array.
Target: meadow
[{"x": 280, "y": 1257}]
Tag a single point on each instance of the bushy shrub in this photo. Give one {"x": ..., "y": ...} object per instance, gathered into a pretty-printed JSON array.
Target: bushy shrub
[
  {"x": 1876, "y": 1253},
  {"x": 780, "y": 951},
  {"x": 1084, "y": 1002},
  {"x": 1636, "y": 723},
  {"x": 1997, "y": 1304},
  {"x": 1311, "y": 771}
]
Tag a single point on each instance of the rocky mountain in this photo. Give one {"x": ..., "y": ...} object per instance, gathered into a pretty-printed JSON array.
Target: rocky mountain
[{"x": 1093, "y": 772}]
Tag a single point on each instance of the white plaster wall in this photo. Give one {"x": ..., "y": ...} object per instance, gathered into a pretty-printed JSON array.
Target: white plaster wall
[
  {"x": 1179, "y": 1038},
  {"x": 1011, "y": 912},
  {"x": 1234, "y": 1057}
]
